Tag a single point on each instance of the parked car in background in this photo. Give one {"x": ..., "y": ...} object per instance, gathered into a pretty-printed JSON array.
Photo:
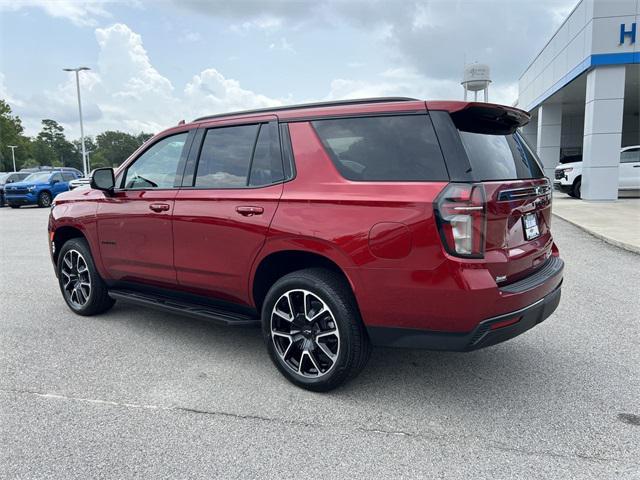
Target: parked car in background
[
  {"x": 83, "y": 182},
  {"x": 8, "y": 179},
  {"x": 47, "y": 168},
  {"x": 568, "y": 175},
  {"x": 335, "y": 226},
  {"x": 38, "y": 188}
]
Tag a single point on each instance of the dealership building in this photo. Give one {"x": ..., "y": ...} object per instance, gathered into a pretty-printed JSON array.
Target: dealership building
[{"x": 583, "y": 92}]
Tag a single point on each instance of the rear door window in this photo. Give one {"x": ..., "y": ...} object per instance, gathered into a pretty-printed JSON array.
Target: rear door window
[
  {"x": 386, "y": 148},
  {"x": 67, "y": 176},
  {"x": 266, "y": 166},
  {"x": 226, "y": 156},
  {"x": 499, "y": 157}
]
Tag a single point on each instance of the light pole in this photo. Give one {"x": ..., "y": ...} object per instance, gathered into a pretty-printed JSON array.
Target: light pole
[
  {"x": 13, "y": 155},
  {"x": 84, "y": 154}
]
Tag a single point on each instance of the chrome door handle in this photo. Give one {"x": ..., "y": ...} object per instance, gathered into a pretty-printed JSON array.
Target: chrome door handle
[
  {"x": 248, "y": 211},
  {"x": 159, "y": 207}
]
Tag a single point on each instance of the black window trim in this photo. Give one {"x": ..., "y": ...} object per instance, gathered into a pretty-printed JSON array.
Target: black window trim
[
  {"x": 191, "y": 167},
  {"x": 335, "y": 160},
  {"x": 290, "y": 173},
  {"x": 181, "y": 163}
]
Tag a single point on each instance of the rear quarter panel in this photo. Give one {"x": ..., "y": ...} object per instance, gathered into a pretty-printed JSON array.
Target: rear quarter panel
[{"x": 324, "y": 213}]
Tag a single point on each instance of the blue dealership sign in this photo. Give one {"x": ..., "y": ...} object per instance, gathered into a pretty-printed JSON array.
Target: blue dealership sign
[{"x": 631, "y": 33}]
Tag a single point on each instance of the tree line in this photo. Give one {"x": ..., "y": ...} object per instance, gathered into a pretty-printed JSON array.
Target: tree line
[{"x": 51, "y": 147}]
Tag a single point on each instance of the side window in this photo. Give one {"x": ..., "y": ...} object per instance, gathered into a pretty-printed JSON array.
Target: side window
[
  {"x": 266, "y": 166},
  {"x": 157, "y": 166},
  {"x": 67, "y": 176},
  {"x": 630, "y": 156},
  {"x": 56, "y": 177},
  {"x": 225, "y": 157},
  {"x": 387, "y": 148}
]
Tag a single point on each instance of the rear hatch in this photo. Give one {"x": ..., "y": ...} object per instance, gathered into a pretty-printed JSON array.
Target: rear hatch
[{"x": 498, "y": 206}]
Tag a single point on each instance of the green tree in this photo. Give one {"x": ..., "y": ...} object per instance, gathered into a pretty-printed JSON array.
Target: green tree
[
  {"x": 115, "y": 147},
  {"x": 52, "y": 135},
  {"x": 12, "y": 133}
]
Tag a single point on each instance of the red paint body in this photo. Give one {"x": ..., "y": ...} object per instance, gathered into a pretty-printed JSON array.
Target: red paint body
[{"x": 382, "y": 235}]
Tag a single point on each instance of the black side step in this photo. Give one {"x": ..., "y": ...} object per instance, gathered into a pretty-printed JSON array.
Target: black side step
[{"x": 215, "y": 315}]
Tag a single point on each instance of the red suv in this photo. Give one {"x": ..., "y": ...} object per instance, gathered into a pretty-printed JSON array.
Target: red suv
[{"x": 334, "y": 226}]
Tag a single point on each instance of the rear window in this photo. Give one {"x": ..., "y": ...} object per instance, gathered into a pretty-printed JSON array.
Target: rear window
[
  {"x": 500, "y": 157},
  {"x": 389, "y": 148}
]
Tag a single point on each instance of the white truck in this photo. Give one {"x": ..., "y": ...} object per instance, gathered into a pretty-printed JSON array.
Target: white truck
[{"x": 568, "y": 176}]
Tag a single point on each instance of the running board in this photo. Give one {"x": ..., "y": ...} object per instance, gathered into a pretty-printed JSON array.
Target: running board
[{"x": 203, "y": 312}]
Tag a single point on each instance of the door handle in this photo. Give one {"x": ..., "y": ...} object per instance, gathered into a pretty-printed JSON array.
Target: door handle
[
  {"x": 159, "y": 207},
  {"x": 248, "y": 211},
  {"x": 636, "y": 166}
]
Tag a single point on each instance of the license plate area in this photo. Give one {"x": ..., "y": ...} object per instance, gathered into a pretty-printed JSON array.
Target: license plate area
[{"x": 530, "y": 226}]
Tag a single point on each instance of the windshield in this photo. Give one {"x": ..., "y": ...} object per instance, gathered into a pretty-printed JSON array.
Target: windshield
[
  {"x": 3, "y": 178},
  {"x": 38, "y": 177}
]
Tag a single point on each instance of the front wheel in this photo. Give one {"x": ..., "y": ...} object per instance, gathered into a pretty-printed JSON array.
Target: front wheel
[
  {"x": 576, "y": 188},
  {"x": 44, "y": 199},
  {"x": 14, "y": 206},
  {"x": 313, "y": 330},
  {"x": 82, "y": 287}
]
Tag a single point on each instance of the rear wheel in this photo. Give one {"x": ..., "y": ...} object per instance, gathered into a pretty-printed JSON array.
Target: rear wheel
[
  {"x": 313, "y": 330},
  {"x": 576, "y": 189},
  {"x": 44, "y": 199},
  {"x": 82, "y": 287},
  {"x": 14, "y": 206}
]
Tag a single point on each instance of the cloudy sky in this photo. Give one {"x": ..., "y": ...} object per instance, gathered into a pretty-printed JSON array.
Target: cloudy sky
[{"x": 156, "y": 62}]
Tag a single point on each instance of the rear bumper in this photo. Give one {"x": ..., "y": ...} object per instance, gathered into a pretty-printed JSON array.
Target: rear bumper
[{"x": 488, "y": 332}]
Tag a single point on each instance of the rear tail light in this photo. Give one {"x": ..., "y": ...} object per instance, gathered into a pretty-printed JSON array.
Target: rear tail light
[{"x": 461, "y": 215}]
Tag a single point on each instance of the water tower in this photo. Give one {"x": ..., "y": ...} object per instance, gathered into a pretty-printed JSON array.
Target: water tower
[{"x": 476, "y": 77}]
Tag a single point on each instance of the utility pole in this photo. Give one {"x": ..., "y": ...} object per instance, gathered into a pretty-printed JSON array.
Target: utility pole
[
  {"x": 84, "y": 154},
  {"x": 13, "y": 155}
]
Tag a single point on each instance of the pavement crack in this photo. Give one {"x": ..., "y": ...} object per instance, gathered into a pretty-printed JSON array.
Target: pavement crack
[{"x": 444, "y": 439}]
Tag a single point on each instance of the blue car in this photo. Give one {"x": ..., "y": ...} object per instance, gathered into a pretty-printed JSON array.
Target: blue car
[{"x": 39, "y": 188}]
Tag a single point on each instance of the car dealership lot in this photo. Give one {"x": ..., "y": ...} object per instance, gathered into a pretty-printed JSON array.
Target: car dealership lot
[{"x": 137, "y": 393}]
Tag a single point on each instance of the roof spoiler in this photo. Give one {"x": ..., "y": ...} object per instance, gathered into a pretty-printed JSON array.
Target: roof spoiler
[{"x": 488, "y": 118}]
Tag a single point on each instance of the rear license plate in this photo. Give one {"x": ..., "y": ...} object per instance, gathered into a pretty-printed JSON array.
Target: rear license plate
[{"x": 531, "y": 230}]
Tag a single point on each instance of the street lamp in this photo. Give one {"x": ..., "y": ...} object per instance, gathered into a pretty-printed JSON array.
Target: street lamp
[
  {"x": 84, "y": 154},
  {"x": 13, "y": 155}
]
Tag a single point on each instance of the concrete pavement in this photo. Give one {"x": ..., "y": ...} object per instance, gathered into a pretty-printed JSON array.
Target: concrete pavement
[
  {"x": 617, "y": 222},
  {"x": 144, "y": 394}
]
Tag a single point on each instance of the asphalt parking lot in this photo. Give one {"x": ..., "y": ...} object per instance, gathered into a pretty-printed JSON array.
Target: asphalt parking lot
[{"x": 136, "y": 393}]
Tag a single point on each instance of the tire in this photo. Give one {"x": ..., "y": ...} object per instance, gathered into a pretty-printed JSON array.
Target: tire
[
  {"x": 14, "y": 206},
  {"x": 44, "y": 199},
  {"x": 576, "y": 189},
  {"x": 321, "y": 354},
  {"x": 90, "y": 295}
]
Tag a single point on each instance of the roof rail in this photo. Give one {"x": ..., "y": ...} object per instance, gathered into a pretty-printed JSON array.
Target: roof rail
[{"x": 311, "y": 105}]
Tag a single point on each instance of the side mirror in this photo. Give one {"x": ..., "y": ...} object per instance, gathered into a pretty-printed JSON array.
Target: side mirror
[{"x": 103, "y": 179}]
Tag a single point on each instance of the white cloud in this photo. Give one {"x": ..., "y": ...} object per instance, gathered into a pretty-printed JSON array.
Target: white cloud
[
  {"x": 126, "y": 92},
  {"x": 81, "y": 13},
  {"x": 5, "y": 95},
  {"x": 267, "y": 23},
  {"x": 283, "y": 45},
  {"x": 190, "y": 37},
  {"x": 211, "y": 92},
  {"x": 407, "y": 82}
]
